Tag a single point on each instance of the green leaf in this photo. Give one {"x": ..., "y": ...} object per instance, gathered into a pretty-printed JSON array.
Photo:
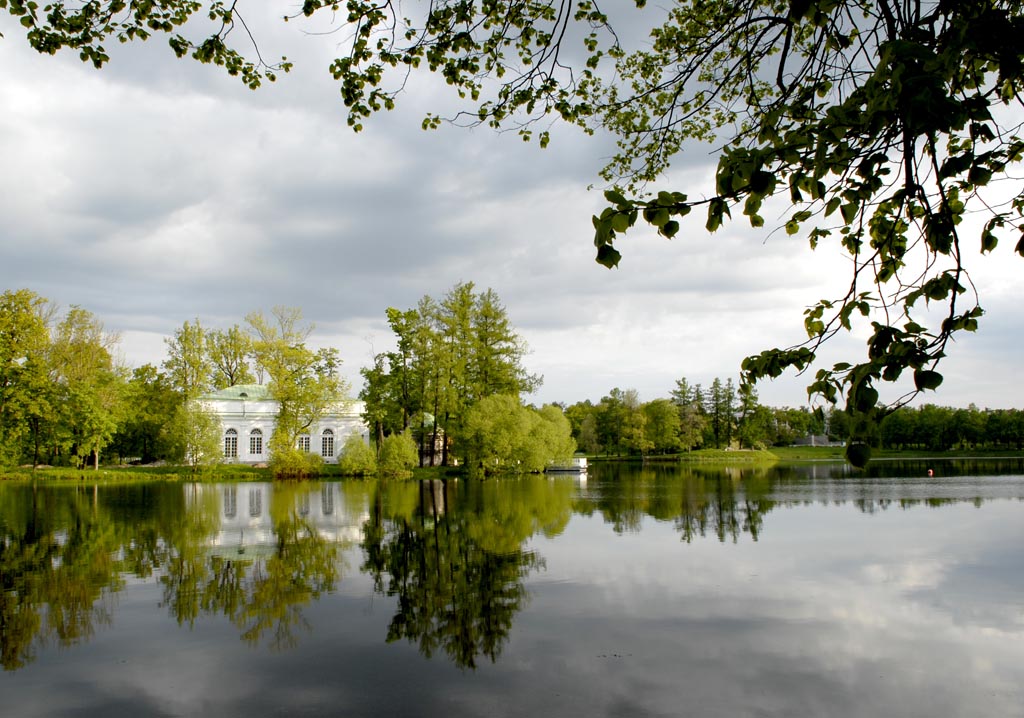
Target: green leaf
[
  {"x": 608, "y": 256},
  {"x": 927, "y": 379},
  {"x": 988, "y": 241},
  {"x": 620, "y": 222},
  {"x": 864, "y": 397},
  {"x": 615, "y": 197}
]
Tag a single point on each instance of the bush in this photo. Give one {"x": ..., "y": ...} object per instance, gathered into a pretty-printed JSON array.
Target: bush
[
  {"x": 398, "y": 455},
  {"x": 357, "y": 458},
  {"x": 291, "y": 463}
]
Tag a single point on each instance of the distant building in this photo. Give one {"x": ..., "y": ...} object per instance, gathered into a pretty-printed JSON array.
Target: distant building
[
  {"x": 816, "y": 440},
  {"x": 247, "y": 414}
]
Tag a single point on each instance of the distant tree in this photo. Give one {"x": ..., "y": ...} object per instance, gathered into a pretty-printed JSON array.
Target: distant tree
[
  {"x": 969, "y": 426},
  {"x": 188, "y": 365},
  {"x": 90, "y": 387},
  {"x": 899, "y": 429},
  {"x": 634, "y": 426},
  {"x": 754, "y": 423},
  {"x": 662, "y": 426},
  {"x": 24, "y": 380},
  {"x": 720, "y": 406},
  {"x": 194, "y": 435},
  {"x": 610, "y": 418},
  {"x": 583, "y": 423},
  {"x": 228, "y": 352},
  {"x": 791, "y": 424},
  {"x": 151, "y": 403},
  {"x": 502, "y": 435},
  {"x": 449, "y": 355},
  {"x": 689, "y": 403},
  {"x": 304, "y": 383}
]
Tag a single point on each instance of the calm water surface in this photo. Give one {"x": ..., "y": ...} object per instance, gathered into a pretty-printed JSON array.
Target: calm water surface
[{"x": 809, "y": 591}]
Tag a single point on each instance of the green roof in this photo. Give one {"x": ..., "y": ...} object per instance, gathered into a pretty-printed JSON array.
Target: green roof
[{"x": 247, "y": 392}]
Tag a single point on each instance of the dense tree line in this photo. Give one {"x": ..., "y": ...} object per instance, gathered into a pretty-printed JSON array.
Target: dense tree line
[
  {"x": 453, "y": 384},
  {"x": 722, "y": 415},
  {"x": 940, "y": 428}
]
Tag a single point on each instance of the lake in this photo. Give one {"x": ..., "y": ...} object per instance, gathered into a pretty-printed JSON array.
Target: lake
[{"x": 804, "y": 590}]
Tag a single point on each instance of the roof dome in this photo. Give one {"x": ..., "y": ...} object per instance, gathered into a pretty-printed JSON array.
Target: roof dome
[{"x": 242, "y": 392}]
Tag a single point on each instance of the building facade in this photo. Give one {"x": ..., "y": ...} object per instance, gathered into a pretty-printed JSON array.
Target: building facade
[{"x": 248, "y": 412}]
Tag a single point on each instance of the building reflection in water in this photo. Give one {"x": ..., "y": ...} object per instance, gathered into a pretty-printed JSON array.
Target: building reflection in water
[{"x": 321, "y": 507}]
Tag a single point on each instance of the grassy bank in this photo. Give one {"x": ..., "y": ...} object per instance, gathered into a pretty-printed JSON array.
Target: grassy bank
[
  {"x": 234, "y": 472},
  {"x": 214, "y": 474},
  {"x": 717, "y": 456},
  {"x": 836, "y": 453}
]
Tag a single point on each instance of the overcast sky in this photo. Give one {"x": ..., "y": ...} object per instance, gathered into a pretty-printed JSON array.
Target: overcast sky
[{"x": 157, "y": 190}]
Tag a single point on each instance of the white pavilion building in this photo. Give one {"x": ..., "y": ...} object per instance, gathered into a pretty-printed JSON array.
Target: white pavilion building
[{"x": 247, "y": 413}]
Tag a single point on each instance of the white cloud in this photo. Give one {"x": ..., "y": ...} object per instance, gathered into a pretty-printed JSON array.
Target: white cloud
[{"x": 155, "y": 191}]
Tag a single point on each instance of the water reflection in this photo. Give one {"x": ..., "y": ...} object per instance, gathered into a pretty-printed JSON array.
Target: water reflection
[
  {"x": 453, "y": 559},
  {"x": 63, "y": 557},
  {"x": 260, "y": 570}
]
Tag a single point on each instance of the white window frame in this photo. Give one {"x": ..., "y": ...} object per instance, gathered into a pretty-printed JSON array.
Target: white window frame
[
  {"x": 256, "y": 442},
  {"x": 230, "y": 444}
]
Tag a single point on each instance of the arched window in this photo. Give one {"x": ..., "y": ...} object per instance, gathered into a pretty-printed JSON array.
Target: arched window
[
  {"x": 256, "y": 442},
  {"x": 304, "y": 443},
  {"x": 230, "y": 444},
  {"x": 327, "y": 443}
]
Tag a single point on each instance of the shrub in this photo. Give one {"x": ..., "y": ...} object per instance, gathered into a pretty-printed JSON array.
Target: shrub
[
  {"x": 398, "y": 455},
  {"x": 292, "y": 463},
  {"x": 357, "y": 458}
]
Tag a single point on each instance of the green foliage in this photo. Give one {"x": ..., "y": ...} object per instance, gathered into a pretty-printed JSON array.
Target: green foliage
[
  {"x": 858, "y": 453},
  {"x": 398, "y": 455},
  {"x": 501, "y": 435},
  {"x": 449, "y": 355},
  {"x": 188, "y": 364},
  {"x": 304, "y": 383},
  {"x": 24, "y": 383},
  {"x": 89, "y": 387},
  {"x": 151, "y": 401},
  {"x": 289, "y": 462},
  {"x": 358, "y": 458},
  {"x": 84, "y": 27},
  {"x": 193, "y": 436},
  {"x": 228, "y": 352}
]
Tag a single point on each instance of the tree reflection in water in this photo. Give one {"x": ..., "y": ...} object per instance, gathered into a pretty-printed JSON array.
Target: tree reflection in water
[
  {"x": 262, "y": 592},
  {"x": 63, "y": 555},
  {"x": 456, "y": 562},
  {"x": 452, "y": 553},
  {"x": 725, "y": 502}
]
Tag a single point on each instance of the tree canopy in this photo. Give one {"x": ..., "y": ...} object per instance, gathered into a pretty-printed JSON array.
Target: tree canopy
[{"x": 886, "y": 126}]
